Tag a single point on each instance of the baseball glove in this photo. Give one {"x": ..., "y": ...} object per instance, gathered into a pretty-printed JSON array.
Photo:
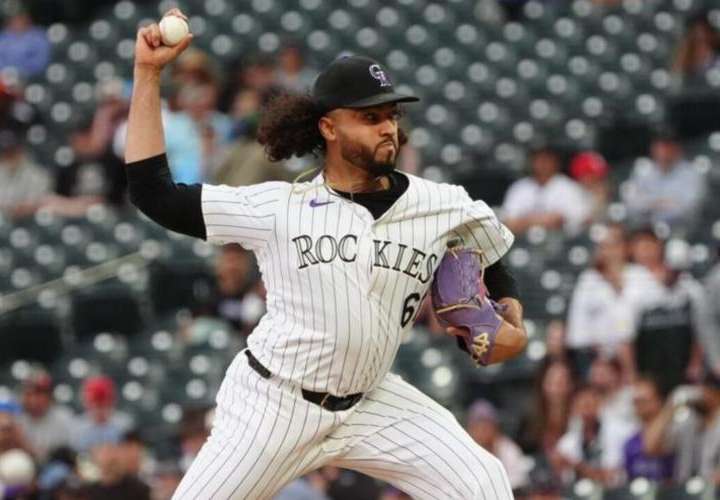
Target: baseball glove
[{"x": 460, "y": 299}]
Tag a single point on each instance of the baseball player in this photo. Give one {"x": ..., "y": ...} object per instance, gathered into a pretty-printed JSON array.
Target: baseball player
[{"x": 347, "y": 258}]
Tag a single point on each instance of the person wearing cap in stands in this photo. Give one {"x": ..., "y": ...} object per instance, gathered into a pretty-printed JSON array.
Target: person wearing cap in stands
[
  {"x": 590, "y": 170},
  {"x": 46, "y": 424},
  {"x": 101, "y": 423}
]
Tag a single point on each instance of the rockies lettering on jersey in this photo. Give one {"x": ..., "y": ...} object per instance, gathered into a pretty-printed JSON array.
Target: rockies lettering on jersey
[
  {"x": 342, "y": 287},
  {"x": 327, "y": 249}
]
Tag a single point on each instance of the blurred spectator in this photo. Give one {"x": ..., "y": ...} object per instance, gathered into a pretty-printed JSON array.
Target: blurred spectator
[
  {"x": 256, "y": 72},
  {"x": 672, "y": 326},
  {"x": 236, "y": 274},
  {"x": 131, "y": 449},
  {"x": 648, "y": 251},
  {"x": 101, "y": 423},
  {"x": 554, "y": 385},
  {"x": 606, "y": 302},
  {"x": 712, "y": 293},
  {"x": 46, "y": 425},
  {"x": 698, "y": 49},
  {"x": 58, "y": 469},
  {"x": 291, "y": 73},
  {"x": 115, "y": 482},
  {"x": 244, "y": 161},
  {"x": 194, "y": 66},
  {"x": 483, "y": 426},
  {"x": 648, "y": 402},
  {"x": 665, "y": 189},
  {"x": 22, "y": 45},
  {"x": 689, "y": 427},
  {"x": 590, "y": 170},
  {"x": 23, "y": 183},
  {"x": 97, "y": 174},
  {"x": 11, "y": 435},
  {"x": 582, "y": 451},
  {"x": 617, "y": 418},
  {"x": 193, "y": 433},
  {"x": 165, "y": 481},
  {"x": 546, "y": 198}
]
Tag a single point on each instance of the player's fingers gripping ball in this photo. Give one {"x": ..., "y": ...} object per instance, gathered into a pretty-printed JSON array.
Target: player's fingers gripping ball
[{"x": 460, "y": 299}]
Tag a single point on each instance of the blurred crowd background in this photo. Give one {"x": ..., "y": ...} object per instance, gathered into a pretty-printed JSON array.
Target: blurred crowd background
[{"x": 592, "y": 126}]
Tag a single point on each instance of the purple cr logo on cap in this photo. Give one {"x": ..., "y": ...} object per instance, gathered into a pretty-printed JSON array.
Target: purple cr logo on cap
[{"x": 377, "y": 72}]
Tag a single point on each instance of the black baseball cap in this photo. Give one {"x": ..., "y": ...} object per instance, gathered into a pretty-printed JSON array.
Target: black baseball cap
[{"x": 355, "y": 82}]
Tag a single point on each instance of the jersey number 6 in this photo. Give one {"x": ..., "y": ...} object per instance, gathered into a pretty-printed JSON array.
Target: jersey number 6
[{"x": 409, "y": 308}]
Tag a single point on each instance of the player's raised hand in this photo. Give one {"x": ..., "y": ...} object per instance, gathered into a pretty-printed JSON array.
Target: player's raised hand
[{"x": 150, "y": 52}]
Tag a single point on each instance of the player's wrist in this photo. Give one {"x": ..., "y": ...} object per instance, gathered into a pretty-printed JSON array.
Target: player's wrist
[{"x": 146, "y": 73}]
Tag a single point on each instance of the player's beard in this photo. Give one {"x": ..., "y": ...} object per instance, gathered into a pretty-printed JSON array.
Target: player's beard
[{"x": 378, "y": 161}]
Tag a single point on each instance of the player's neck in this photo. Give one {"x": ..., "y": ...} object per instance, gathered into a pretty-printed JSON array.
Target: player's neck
[{"x": 348, "y": 178}]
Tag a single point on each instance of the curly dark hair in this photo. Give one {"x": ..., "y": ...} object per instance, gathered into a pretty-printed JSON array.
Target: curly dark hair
[{"x": 289, "y": 127}]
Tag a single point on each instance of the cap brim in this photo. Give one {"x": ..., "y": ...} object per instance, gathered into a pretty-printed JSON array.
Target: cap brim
[{"x": 379, "y": 99}]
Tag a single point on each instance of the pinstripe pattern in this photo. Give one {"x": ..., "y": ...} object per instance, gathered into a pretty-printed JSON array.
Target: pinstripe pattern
[{"x": 342, "y": 290}]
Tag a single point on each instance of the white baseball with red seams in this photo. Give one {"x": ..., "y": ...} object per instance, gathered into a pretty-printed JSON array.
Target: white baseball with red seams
[{"x": 342, "y": 289}]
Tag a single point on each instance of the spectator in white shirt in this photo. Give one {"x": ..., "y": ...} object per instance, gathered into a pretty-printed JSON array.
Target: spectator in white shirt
[
  {"x": 482, "y": 425},
  {"x": 666, "y": 188},
  {"x": 546, "y": 198},
  {"x": 606, "y": 302}
]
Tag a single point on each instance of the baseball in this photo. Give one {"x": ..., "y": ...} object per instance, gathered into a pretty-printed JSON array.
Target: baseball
[{"x": 173, "y": 29}]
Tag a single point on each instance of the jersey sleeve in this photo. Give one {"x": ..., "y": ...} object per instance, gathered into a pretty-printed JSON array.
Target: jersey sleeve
[
  {"x": 244, "y": 215},
  {"x": 480, "y": 228}
]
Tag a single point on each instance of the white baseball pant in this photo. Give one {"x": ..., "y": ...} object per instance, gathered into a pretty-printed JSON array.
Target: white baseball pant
[{"x": 265, "y": 435}]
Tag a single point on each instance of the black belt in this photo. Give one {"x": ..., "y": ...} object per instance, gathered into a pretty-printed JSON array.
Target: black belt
[{"x": 323, "y": 399}]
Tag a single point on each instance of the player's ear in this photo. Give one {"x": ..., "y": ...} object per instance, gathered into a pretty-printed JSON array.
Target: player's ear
[{"x": 327, "y": 128}]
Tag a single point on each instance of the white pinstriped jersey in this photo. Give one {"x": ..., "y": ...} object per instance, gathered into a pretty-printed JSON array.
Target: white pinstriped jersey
[{"x": 342, "y": 287}]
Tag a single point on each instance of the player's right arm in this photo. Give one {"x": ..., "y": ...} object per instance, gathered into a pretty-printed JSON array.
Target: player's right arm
[{"x": 219, "y": 214}]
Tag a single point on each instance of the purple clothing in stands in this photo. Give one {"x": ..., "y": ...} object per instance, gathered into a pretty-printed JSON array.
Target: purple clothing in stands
[
  {"x": 639, "y": 464},
  {"x": 28, "y": 51}
]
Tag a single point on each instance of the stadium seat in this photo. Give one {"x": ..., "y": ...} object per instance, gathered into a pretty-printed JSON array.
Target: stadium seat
[
  {"x": 109, "y": 307},
  {"x": 175, "y": 284},
  {"x": 31, "y": 334},
  {"x": 695, "y": 488}
]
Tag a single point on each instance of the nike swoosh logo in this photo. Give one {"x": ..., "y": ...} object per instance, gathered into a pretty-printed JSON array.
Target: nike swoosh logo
[{"x": 314, "y": 203}]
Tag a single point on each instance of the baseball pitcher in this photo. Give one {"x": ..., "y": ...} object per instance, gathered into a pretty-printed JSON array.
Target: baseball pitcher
[{"x": 347, "y": 258}]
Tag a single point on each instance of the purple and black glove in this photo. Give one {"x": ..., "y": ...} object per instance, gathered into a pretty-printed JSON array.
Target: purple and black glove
[{"x": 460, "y": 299}]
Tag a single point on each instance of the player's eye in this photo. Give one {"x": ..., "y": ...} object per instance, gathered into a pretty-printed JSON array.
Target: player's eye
[{"x": 371, "y": 117}]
